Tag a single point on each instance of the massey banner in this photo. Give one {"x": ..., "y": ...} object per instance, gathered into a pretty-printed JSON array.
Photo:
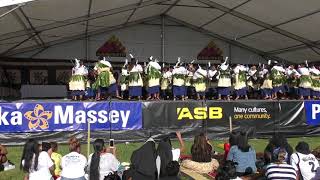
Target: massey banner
[
  {"x": 30, "y": 117},
  {"x": 262, "y": 117}
]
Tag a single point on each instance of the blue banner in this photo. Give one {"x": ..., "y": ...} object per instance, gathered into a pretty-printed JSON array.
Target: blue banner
[
  {"x": 312, "y": 109},
  {"x": 56, "y": 116}
]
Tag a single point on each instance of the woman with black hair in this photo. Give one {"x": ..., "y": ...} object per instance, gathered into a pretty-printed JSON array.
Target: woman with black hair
[
  {"x": 143, "y": 163},
  {"x": 167, "y": 159},
  {"x": 233, "y": 140},
  {"x": 278, "y": 141},
  {"x": 101, "y": 162},
  {"x": 37, "y": 165},
  {"x": 244, "y": 155},
  {"x": 304, "y": 162}
]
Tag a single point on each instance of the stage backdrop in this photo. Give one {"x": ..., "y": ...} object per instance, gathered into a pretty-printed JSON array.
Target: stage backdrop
[{"x": 136, "y": 121}]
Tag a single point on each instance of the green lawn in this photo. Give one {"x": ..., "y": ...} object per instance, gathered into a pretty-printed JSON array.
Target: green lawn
[{"x": 124, "y": 152}]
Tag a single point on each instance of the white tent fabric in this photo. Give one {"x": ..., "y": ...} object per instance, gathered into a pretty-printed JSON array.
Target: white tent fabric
[{"x": 285, "y": 29}]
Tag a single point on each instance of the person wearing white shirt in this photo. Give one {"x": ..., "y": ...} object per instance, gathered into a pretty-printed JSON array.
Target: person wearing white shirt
[
  {"x": 165, "y": 82},
  {"x": 178, "y": 85},
  {"x": 74, "y": 163},
  {"x": 240, "y": 84},
  {"x": 305, "y": 84},
  {"x": 101, "y": 162},
  {"x": 135, "y": 79},
  {"x": 315, "y": 78},
  {"x": 153, "y": 72},
  {"x": 36, "y": 165},
  {"x": 199, "y": 82},
  {"x": 304, "y": 162},
  {"x": 77, "y": 84}
]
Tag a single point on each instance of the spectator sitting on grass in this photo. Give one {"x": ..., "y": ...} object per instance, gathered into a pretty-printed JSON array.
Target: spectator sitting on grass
[
  {"x": 279, "y": 169},
  {"x": 278, "y": 141},
  {"x": 143, "y": 163},
  {"x": 167, "y": 159},
  {"x": 201, "y": 152},
  {"x": 233, "y": 140},
  {"x": 74, "y": 163},
  {"x": 244, "y": 155},
  {"x": 102, "y": 162},
  {"x": 36, "y": 165},
  {"x": 5, "y": 164},
  {"x": 56, "y": 157},
  {"x": 304, "y": 162}
]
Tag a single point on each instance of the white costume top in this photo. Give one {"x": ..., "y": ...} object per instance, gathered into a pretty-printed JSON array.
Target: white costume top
[
  {"x": 212, "y": 73},
  {"x": 137, "y": 68},
  {"x": 179, "y": 71},
  {"x": 304, "y": 71},
  {"x": 279, "y": 68},
  {"x": 80, "y": 70},
  {"x": 314, "y": 71},
  {"x": 167, "y": 74},
  {"x": 200, "y": 73}
]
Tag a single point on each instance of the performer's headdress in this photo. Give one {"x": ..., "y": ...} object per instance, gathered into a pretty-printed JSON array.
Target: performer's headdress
[{"x": 105, "y": 62}]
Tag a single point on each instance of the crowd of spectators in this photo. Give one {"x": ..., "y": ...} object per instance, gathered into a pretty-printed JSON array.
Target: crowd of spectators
[{"x": 160, "y": 160}]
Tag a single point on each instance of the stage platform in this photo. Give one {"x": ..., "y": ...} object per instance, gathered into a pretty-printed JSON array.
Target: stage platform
[{"x": 58, "y": 119}]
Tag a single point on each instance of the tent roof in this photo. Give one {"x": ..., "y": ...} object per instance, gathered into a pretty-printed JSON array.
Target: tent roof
[{"x": 285, "y": 29}]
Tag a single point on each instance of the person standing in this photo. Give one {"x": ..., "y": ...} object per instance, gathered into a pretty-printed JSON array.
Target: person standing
[
  {"x": 124, "y": 80},
  {"x": 178, "y": 86},
  {"x": 224, "y": 81},
  {"x": 135, "y": 79},
  {"x": 199, "y": 82},
  {"x": 153, "y": 71},
  {"x": 305, "y": 84},
  {"x": 166, "y": 80},
  {"x": 240, "y": 85},
  {"x": 77, "y": 83}
]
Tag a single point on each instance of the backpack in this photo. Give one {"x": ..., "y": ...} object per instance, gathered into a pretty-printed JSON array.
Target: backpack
[{"x": 112, "y": 176}]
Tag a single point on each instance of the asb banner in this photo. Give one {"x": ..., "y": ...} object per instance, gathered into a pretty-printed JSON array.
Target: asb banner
[
  {"x": 264, "y": 116},
  {"x": 30, "y": 117},
  {"x": 312, "y": 109}
]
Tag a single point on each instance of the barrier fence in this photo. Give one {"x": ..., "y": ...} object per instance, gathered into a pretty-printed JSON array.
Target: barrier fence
[{"x": 124, "y": 120}]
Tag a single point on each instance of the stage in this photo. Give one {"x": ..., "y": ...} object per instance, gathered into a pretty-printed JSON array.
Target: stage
[{"x": 58, "y": 119}]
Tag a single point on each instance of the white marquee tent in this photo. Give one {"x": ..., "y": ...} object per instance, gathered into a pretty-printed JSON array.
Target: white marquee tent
[{"x": 280, "y": 29}]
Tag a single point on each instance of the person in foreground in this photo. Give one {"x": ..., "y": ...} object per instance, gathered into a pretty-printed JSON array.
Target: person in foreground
[
  {"x": 74, "y": 163},
  {"x": 5, "y": 164},
  {"x": 102, "y": 162},
  {"x": 279, "y": 169},
  {"x": 201, "y": 152},
  {"x": 143, "y": 163},
  {"x": 56, "y": 157},
  {"x": 37, "y": 165},
  {"x": 304, "y": 162},
  {"x": 167, "y": 160},
  {"x": 244, "y": 155},
  {"x": 227, "y": 171}
]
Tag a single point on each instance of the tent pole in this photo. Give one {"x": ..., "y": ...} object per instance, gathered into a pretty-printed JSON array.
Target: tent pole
[
  {"x": 11, "y": 10},
  {"x": 162, "y": 37}
]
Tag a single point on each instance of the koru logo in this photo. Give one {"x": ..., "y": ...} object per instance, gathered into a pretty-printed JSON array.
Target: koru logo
[{"x": 38, "y": 118}]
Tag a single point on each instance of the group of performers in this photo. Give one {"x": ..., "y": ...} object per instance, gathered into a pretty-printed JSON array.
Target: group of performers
[{"x": 191, "y": 81}]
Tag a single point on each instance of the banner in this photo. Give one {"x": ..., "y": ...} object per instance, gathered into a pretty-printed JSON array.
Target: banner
[
  {"x": 312, "y": 109},
  {"x": 258, "y": 117},
  {"x": 31, "y": 117}
]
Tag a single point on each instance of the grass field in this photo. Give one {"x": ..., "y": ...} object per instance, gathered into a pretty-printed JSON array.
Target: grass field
[{"x": 124, "y": 152}]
